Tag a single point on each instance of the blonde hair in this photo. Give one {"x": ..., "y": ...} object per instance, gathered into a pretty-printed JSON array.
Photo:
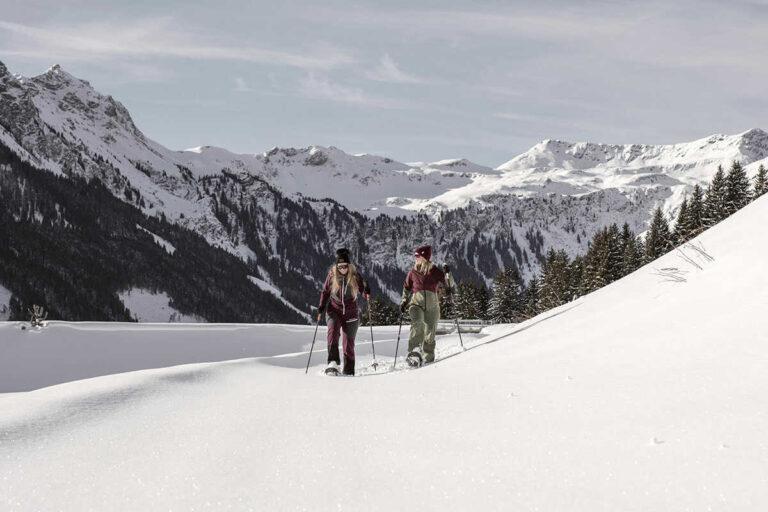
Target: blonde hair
[
  {"x": 423, "y": 266},
  {"x": 351, "y": 278}
]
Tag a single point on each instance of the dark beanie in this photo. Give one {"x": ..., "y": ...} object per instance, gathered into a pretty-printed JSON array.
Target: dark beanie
[
  {"x": 342, "y": 255},
  {"x": 425, "y": 251}
]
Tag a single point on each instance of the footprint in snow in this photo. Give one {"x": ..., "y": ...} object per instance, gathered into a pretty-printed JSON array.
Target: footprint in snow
[{"x": 657, "y": 441}]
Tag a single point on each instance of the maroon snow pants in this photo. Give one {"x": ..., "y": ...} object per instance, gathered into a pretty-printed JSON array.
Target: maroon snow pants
[{"x": 342, "y": 322}]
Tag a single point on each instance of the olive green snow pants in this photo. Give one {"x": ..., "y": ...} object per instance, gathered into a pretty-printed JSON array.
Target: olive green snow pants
[{"x": 423, "y": 326}]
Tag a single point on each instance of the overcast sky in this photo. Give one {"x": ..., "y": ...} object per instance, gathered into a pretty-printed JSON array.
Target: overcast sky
[{"x": 413, "y": 80}]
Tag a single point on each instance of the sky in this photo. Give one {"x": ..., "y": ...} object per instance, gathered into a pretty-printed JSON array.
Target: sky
[{"x": 412, "y": 80}]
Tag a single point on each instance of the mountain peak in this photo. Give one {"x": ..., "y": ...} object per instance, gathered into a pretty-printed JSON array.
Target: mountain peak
[
  {"x": 57, "y": 76},
  {"x": 754, "y": 144},
  {"x": 57, "y": 71},
  {"x": 755, "y": 133}
]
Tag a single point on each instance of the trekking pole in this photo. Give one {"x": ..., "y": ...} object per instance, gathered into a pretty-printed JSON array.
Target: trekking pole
[
  {"x": 397, "y": 346},
  {"x": 453, "y": 306},
  {"x": 313, "y": 345},
  {"x": 456, "y": 319},
  {"x": 373, "y": 347},
  {"x": 459, "y": 331}
]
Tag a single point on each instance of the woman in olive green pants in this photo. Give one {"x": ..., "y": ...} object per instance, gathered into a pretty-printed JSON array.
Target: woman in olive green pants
[{"x": 421, "y": 300}]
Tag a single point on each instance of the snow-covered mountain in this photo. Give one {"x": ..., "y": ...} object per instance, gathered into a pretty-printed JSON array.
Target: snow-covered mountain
[
  {"x": 554, "y": 167},
  {"x": 648, "y": 394},
  {"x": 258, "y": 206},
  {"x": 366, "y": 183},
  {"x": 68, "y": 123},
  {"x": 73, "y": 118}
]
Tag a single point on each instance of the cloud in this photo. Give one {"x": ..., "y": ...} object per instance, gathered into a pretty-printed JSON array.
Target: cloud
[
  {"x": 318, "y": 87},
  {"x": 388, "y": 71},
  {"x": 153, "y": 38},
  {"x": 143, "y": 72},
  {"x": 241, "y": 85},
  {"x": 561, "y": 24}
]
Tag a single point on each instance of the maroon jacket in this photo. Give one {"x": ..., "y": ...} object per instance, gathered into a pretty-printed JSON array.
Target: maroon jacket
[
  {"x": 415, "y": 282},
  {"x": 348, "y": 303}
]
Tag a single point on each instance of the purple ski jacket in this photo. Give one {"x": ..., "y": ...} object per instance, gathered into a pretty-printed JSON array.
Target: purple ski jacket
[{"x": 347, "y": 303}]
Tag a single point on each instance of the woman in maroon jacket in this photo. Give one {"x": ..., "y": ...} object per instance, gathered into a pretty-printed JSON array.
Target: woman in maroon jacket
[
  {"x": 421, "y": 301},
  {"x": 338, "y": 301}
]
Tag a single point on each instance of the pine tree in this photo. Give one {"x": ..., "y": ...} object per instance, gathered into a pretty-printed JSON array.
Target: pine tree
[
  {"x": 632, "y": 258},
  {"x": 482, "y": 302},
  {"x": 447, "y": 304},
  {"x": 532, "y": 298},
  {"x": 761, "y": 183},
  {"x": 641, "y": 250},
  {"x": 554, "y": 281},
  {"x": 631, "y": 252},
  {"x": 604, "y": 258},
  {"x": 576, "y": 278},
  {"x": 383, "y": 312},
  {"x": 683, "y": 224},
  {"x": 462, "y": 300},
  {"x": 658, "y": 240},
  {"x": 500, "y": 310},
  {"x": 612, "y": 260},
  {"x": 696, "y": 212},
  {"x": 737, "y": 189},
  {"x": 506, "y": 304},
  {"x": 471, "y": 301},
  {"x": 715, "y": 204},
  {"x": 593, "y": 276},
  {"x": 626, "y": 236}
]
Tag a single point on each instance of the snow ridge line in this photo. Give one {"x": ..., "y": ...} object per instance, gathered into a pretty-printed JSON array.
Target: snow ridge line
[{"x": 107, "y": 399}]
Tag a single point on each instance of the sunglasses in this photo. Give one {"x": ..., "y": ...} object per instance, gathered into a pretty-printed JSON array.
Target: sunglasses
[{"x": 343, "y": 266}]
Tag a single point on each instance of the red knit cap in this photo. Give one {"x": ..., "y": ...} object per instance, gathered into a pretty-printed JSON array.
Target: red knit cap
[{"x": 425, "y": 251}]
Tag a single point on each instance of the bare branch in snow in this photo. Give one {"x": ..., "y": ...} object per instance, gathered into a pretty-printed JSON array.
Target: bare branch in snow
[
  {"x": 671, "y": 274},
  {"x": 687, "y": 258},
  {"x": 699, "y": 248}
]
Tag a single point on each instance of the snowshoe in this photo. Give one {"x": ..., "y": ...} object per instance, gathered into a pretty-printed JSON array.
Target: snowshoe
[
  {"x": 332, "y": 369},
  {"x": 414, "y": 359}
]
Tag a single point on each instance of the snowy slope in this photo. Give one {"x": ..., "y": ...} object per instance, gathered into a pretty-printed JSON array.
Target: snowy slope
[
  {"x": 645, "y": 395},
  {"x": 274, "y": 290},
  {"x": 148, "y": 306}
]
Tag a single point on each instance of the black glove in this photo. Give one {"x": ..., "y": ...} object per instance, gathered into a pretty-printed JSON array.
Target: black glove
[
  {"x": 446, "y": 269},
  {"x": 403, "y": 307},
  {"x": 449, "y": 290}
]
